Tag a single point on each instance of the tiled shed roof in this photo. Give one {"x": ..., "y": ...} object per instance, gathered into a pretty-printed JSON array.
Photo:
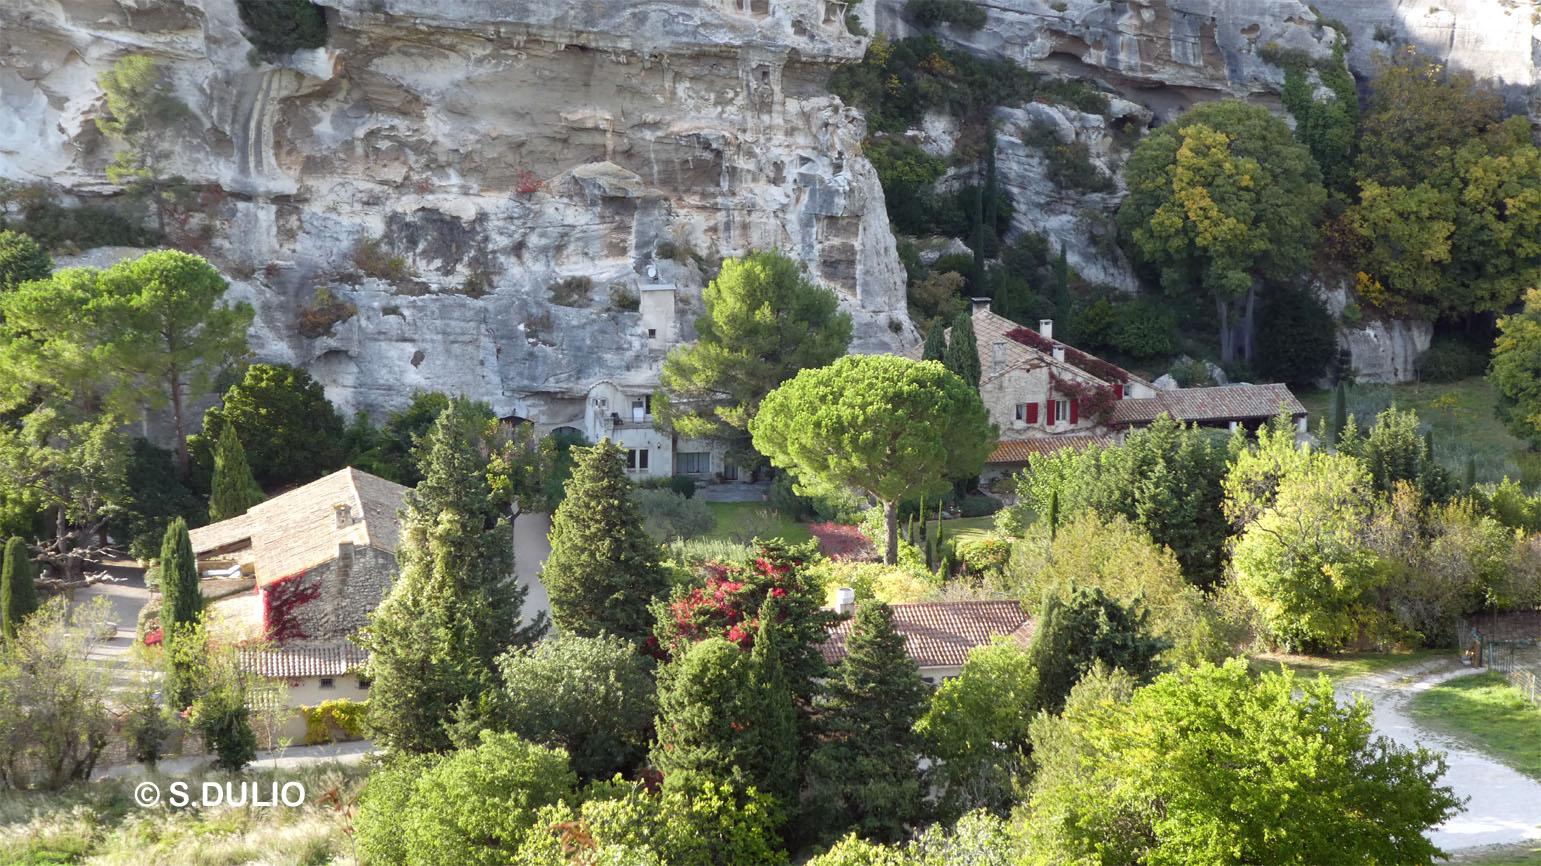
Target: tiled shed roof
[
  {"x": 299, "y": 530},
  {"x": 941, "y": 633},
  {"x": 1020, "y": 450},
  {"x": 293, "y": 662},
  {"x": 1222, "y": 403}
]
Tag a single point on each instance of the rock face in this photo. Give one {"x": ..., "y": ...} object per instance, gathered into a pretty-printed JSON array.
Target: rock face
[
  {"x": 442, "y": 165},
  {"x": 1167, "y": 54},
  {"x": 1385, "y": 350},
  {"x": 1080, "y": 221}
]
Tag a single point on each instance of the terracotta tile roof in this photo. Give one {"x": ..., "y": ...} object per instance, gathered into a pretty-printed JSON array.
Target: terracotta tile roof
[
  {"x": 299, "y": 529},
  {"x": 941, "y": 633},
  {"x": 1020, "y": 450},
  {"x": 293, "y": 662},
  {"x": 1222, "y": 403}
]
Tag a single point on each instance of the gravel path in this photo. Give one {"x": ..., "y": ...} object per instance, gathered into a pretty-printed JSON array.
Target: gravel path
[{"x": 1503, "y": 806}]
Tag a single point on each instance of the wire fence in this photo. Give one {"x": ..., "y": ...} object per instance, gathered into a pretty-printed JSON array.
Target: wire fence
[{"x": 1520, "y": 663}]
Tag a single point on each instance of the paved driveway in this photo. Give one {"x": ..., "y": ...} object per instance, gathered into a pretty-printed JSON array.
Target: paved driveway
[{"x": 1503, "y": 806}]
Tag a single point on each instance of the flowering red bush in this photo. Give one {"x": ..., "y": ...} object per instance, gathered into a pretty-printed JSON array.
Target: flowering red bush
[{"x": 842, "y": 541}]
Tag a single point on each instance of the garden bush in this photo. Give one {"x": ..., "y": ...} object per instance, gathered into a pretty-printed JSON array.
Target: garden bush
[
  {"x": 978, "y": 505},
  {"x": 1451, "y": 359},
  {"x": 668, "y": 515}
]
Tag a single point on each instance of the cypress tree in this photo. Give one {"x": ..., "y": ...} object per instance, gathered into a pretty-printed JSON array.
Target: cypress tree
[
  {"x": 234, "y": 490},
  {"x": 1339, "y": 410},
  {"x": 777, "y": 727},
  {"x": 712, "y": 720},
  {"x": 1062, "y": 295},
  {"x": 962, "y": 356},
  {"x": 1080, "y": 630},
  {"x": 863, "y": 775},
  {"x": 1471, "y": 474},
  {"x": 18, "y": 592},
  {"x": 181, "y": 596},
  {"x": 603, "y": 570},
  {"x": 935, "y": 348},
  {"x": 181, "y": 613},
  {"x": 435, "y": 638}
]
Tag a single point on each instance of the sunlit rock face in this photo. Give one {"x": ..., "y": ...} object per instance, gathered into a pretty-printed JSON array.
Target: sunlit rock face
[{"x": 439, "y": 166}]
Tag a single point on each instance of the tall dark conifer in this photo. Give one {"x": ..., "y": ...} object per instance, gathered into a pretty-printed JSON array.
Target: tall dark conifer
[
  {"x": 234, "y": 490},
  {"x": 962, "y": 356},
  {"x": 456, "y": 606},
  {"x": 603, "y": 570},
  {"x": 18, "y": 592},
  {"x": 935, "y": 348},
  {"x": 863, "y": 775}
]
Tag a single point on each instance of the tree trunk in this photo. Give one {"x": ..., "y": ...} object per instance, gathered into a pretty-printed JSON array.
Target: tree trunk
[
  {"x": 1227, "y": 335},
  {"x": 184, "y": 462},
  {"x": 891, "y": 517},
  {"x": 1248, "y": 323}
]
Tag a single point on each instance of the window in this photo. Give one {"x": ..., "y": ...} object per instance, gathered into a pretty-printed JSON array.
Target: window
[
  {"x": 1062, "y": 410},
  {"x": 652, "y": 333},
  {"x": 692, "y": 463},
  {"x": 636, "y": 458},
  {"x": 1027, "y": 413},
  {"x": 327, "y": 682},
  {"x": 1021, "y": 411}
]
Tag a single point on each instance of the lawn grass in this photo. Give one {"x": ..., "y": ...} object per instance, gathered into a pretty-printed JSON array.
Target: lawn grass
[
  {"x": 1525, "y": 854},
  {"x": 1461, "y": 415},
  {"x": 1486, "y": 713},
  {"x": 967, "y": 528},
  {"x": 1345, "y": 665},
  {"x": 742, "y": 521}
]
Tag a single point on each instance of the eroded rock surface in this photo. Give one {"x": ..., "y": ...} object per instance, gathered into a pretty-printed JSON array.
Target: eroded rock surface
[{"x": 440, "y": 165}]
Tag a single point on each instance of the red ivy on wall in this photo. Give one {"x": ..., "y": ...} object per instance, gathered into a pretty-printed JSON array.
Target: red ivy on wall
[
  {"x": 1074, "y": 357},
  {"x": 1095, "y": 400},
  {"x": 280, "y": 600}
]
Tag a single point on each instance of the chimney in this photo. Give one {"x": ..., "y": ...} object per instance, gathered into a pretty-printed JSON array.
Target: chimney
[
  {"x": 1046, "y": 328},
  {"x": 344, "y": 514},
  {"x": 845, "y": 601},
  {"x": 1059, "y": 354},
  {"x": 981, "y": 304},
  {"x": 997, "y": 353}
]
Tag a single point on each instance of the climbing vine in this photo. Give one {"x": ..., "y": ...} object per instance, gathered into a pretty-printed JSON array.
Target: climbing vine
[
  {"x": 280, "y": 601},
  {"x": 1094, "y": 400}
]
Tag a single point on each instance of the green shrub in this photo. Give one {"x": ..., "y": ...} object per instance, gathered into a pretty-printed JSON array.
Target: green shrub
[
  {"x": 624, "y": 298},
  {"x": 966, "y": 14},
  {"x": 1451, "y": 359},
  {"x": 983, "y": 557},
  {"x": 56, "y": 227},
  {"x": 668, "y": 515},
  {"x": 1145, "y": 329},
  {"x": 978, "y": 505},
  {"x": 278, "y": 27},
  {"x": 324, "y": 721},
  {"x": 571, "y": 291}
]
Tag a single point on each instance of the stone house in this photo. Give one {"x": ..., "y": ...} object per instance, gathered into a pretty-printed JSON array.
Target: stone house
[
  {"x": 939, "y": 635},
  {"x": 323, "y": 556},
  {"x": 1045, "y": 395}
]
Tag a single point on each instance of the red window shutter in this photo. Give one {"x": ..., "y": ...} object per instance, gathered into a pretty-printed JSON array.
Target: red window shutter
[
  {"x": 1118, "y": 391},
  {"x": 1075, "y": 410},
  {"x": 1048, "y": 410},
  {"x": 1032, "y": 413}
]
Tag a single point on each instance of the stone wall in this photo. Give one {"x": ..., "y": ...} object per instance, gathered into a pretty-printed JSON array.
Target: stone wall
[{"x": 345, "y": 593}]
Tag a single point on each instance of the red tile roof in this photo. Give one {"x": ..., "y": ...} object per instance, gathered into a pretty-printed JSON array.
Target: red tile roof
[
  {"x": 294, "y": 662},
  {"x": 941, "y": 633},
  {"x": 1223, "y": 403},
  {"x": 1020, "y": 450}
]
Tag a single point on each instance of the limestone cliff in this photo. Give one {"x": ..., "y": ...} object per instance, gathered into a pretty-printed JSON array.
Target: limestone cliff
[{"x": 442, "y": 164}]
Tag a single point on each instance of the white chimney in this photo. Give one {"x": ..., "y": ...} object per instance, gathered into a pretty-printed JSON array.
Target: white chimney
[
  {"x": 1059, "y": 354},
  {"x": 1046, "y": 328},
  {"x": 997, "y": 355},
  {"x": 344, "y": 514},
  {"x": 981, "y": 304},
  {"x": 845, "y": 600}
]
